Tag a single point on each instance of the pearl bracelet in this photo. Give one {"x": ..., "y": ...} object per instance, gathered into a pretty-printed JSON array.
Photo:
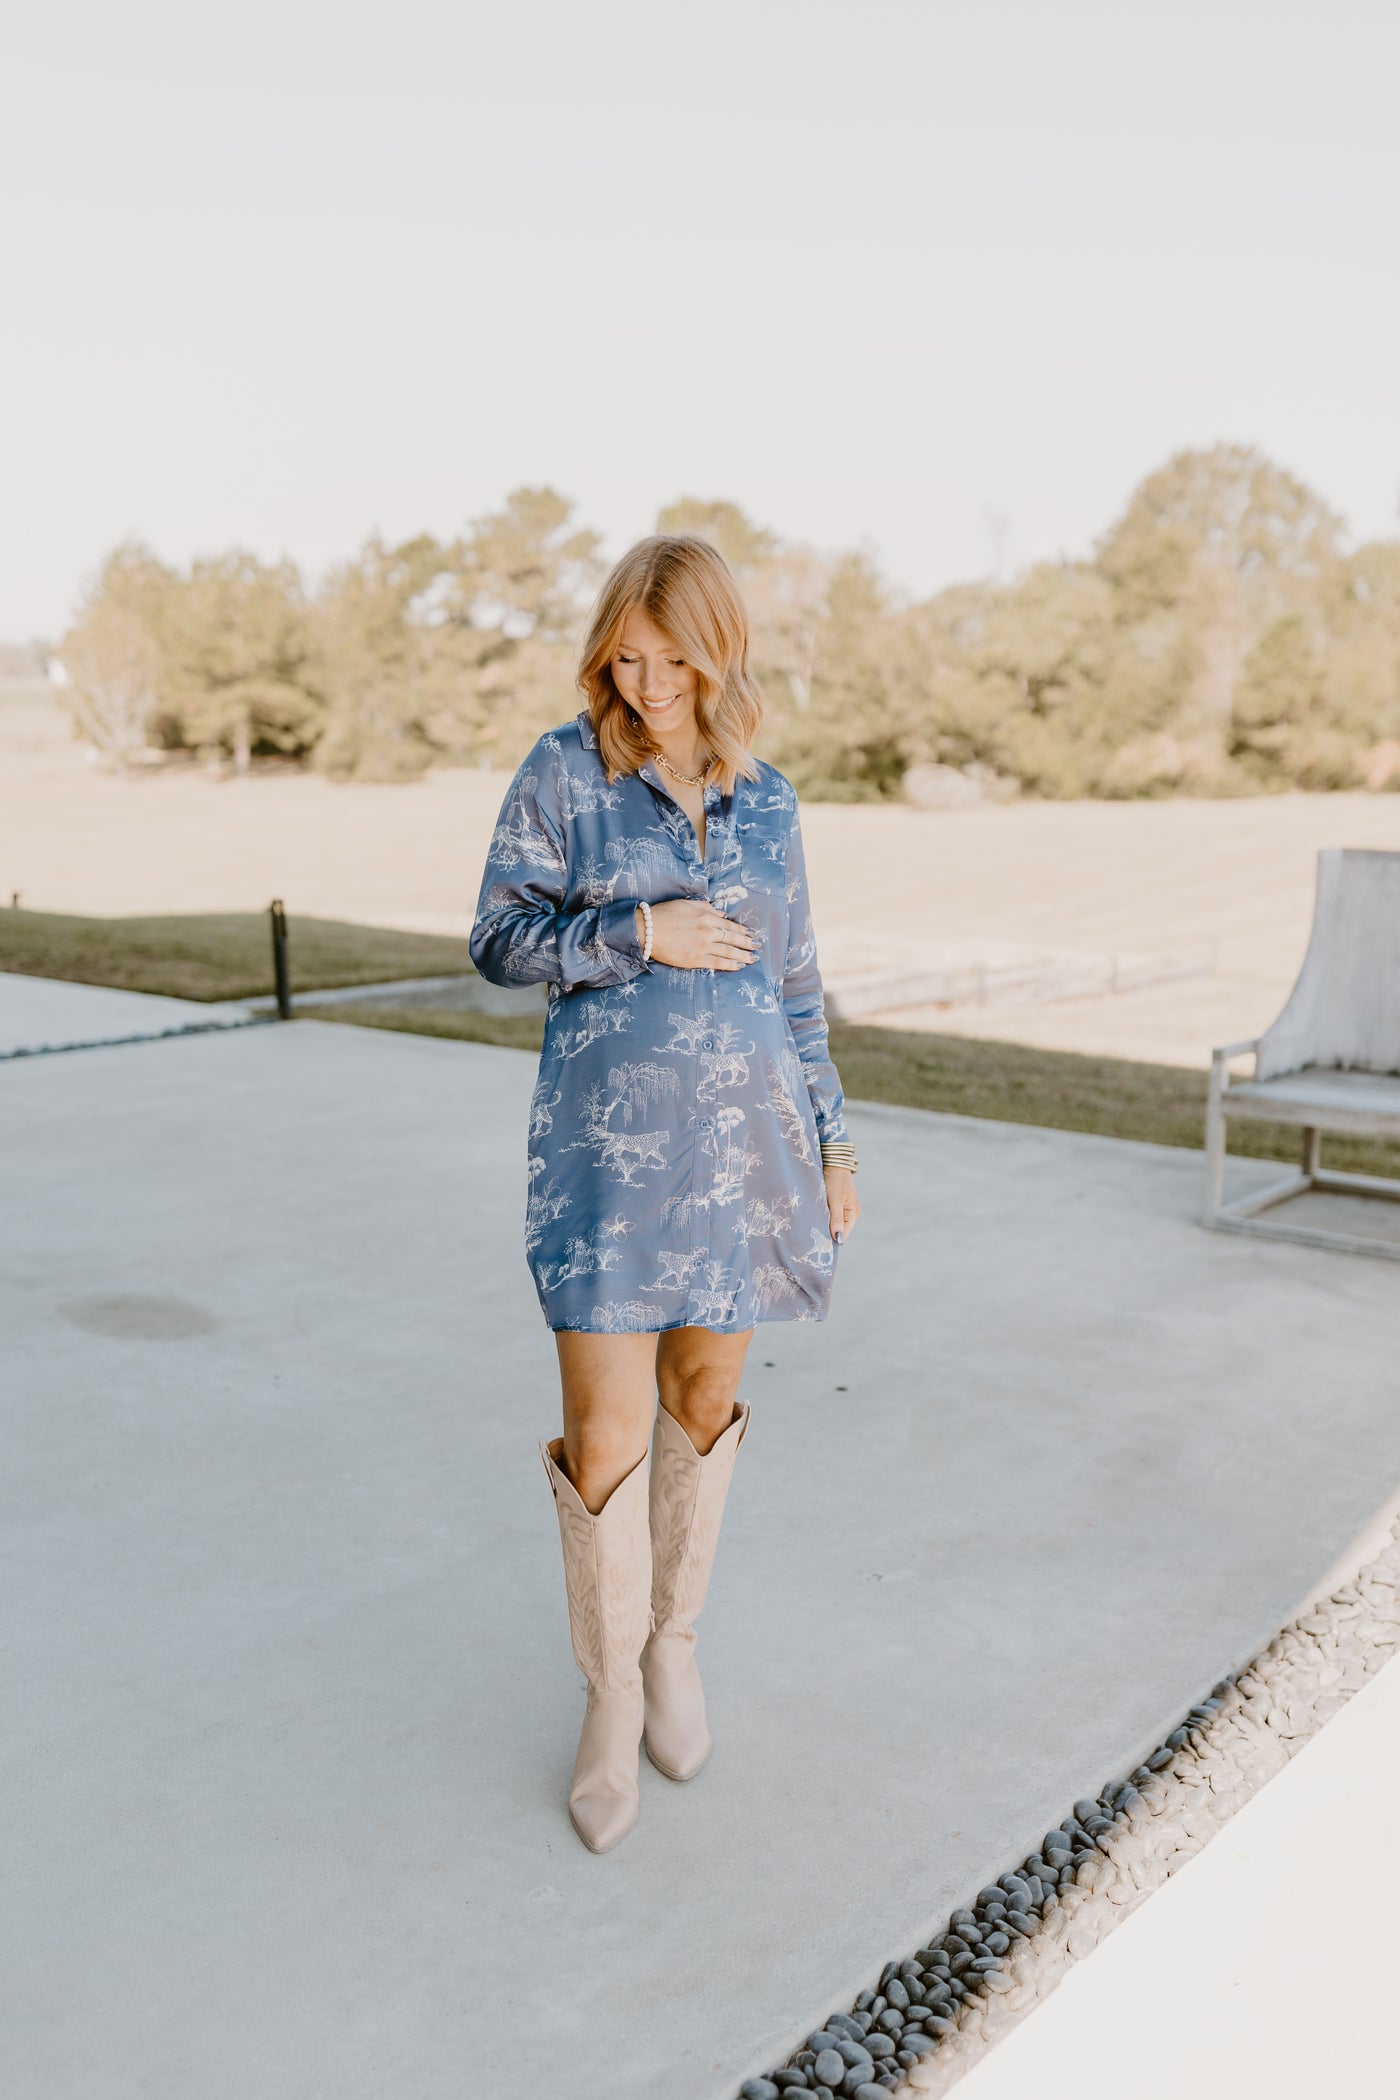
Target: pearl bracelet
[
  {"x": 646, "y": 914},
  {"x": 839, "y": 1152}
]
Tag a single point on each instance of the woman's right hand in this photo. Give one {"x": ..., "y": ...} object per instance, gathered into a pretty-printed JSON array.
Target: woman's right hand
[{"x": 691, "y": 934}]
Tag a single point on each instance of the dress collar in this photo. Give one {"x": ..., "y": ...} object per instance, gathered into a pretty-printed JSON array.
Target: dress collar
[
  {"x": 648, "y": 768},
  {"x": 646, "y": 771}
]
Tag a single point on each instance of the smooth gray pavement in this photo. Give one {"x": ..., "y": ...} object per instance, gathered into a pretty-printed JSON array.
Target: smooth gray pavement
[
  {"x": 45, "y": 1013},
  {"x": 292, "y": 1708}
]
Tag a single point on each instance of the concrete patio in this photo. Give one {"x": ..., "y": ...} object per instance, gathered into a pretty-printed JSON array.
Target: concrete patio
[
  {"x": 39, "y": 1014},
  {"x": 296, "y": 1708}
]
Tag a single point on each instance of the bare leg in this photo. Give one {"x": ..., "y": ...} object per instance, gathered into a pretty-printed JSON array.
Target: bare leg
[
  {"x": 697, "y": 1379},
  {"x": 609, "y": 1392}
]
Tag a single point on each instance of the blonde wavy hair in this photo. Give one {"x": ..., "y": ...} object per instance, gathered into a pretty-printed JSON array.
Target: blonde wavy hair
[{"x": 685, "y": 588}]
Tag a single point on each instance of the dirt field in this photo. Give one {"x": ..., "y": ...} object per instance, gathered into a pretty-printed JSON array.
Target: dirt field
[{"x": 1226, "y": 884}]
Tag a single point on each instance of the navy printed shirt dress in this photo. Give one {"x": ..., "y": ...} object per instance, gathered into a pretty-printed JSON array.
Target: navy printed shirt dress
[{"x": 673, "y": 1171}]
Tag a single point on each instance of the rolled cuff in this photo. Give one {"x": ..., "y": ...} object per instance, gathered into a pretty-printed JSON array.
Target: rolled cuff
[{"x": 617, "y": 928}]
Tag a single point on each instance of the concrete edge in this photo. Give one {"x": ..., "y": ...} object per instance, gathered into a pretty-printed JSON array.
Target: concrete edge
[
  {"x": 1018, "y": 1939},
  {"x": 224, "y": 1026},
  {"x": 370, "y": 994}
]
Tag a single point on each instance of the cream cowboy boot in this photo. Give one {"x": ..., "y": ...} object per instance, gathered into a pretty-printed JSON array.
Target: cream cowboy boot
[
  {"x": 607, "y": 1575},
  {"x": 686, "y": 1505}
]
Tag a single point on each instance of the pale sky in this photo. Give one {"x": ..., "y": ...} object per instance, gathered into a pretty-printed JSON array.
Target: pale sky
[{"x": 281, "y": 273}]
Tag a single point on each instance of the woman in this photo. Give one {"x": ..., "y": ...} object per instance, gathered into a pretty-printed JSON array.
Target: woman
[{"x": 689, "y": 1167}]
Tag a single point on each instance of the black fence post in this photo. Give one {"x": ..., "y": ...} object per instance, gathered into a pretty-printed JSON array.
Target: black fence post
[{"x": 279, "y": 960}]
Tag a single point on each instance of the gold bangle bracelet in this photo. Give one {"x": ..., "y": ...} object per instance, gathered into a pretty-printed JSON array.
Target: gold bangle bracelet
[{"x": 839, "y": 1152}]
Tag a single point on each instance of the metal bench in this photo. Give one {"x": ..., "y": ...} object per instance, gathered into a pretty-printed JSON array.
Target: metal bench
[{"x": 1330, "y": 1062}]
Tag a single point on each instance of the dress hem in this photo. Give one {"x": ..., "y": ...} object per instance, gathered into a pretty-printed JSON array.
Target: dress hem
[{"x": 763, "y": 1320}]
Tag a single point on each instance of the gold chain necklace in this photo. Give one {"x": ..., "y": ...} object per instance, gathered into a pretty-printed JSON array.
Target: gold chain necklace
[{"x": 690, "y": 779}]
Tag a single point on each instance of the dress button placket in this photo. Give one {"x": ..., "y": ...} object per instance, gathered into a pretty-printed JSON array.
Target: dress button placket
[{"x": 704, "y": 1240}]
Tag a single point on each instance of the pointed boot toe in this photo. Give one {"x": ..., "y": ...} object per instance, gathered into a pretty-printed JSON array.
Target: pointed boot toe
[
  {"x": 603, "y": 1822},
  {"x": 604, "y": 1813},
  {"x": 604, "y": 1799},
  {"x": 678, "y": 1740}
]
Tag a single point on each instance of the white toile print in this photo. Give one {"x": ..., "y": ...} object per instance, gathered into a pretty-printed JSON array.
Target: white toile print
[{"x": 676, "y": 1116}]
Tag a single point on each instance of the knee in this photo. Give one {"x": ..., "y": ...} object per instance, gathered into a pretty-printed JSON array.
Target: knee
[
  {"x": 597, "y": 1458},
  {"x": 702, "y": 1402}
]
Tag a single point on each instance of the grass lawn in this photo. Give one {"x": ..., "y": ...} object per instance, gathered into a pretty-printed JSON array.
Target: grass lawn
[
  {"x": 228, "y": 955},
  {"x": 218, "y": 955},
  {"x": 506, "y": 1031},
  {"x": 1112, "y": 1097}
]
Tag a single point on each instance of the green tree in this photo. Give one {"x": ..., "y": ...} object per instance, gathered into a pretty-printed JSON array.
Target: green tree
[
  {"x": 1227, "y": 509},
  {"x": 1221, "y": 640},
  {"x": 746, "y": 547},
  {"x": 1020, "y": 680},
  {"x": 1223, "y": 543},
  {"x": 374, "y": 644},
  {"x": 1361, "y": 670},
  {"x": 526, "y": 569},
  {"x": 846, "y": 743},
  {"x": 1284, "y": 733},
  {"x": 431, "y": 653},
  {"x": 236, "y": 646},
  {"x": 112, "y": 657},
  {"x": 515, "y": 591}
]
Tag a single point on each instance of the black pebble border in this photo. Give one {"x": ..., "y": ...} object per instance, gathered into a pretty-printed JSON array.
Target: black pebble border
[
  {"x": 927, "y": 2019},
  {"x": 916, "y": 2002}
]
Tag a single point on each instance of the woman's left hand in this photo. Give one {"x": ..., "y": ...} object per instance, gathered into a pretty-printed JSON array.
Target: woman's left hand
[{"x": 842, "y": 1200}]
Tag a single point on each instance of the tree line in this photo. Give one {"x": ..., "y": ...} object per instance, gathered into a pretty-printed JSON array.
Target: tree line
[{"x": 1222, "y": 638}]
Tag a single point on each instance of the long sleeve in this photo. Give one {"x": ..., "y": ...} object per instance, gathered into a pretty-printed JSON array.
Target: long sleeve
[
  {"x": 523, "y": 934},
  {"x": 802, "y": 996}
]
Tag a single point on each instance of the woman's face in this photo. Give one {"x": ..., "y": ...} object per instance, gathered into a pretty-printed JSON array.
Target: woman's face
[{"x": 653, "y": 677}]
